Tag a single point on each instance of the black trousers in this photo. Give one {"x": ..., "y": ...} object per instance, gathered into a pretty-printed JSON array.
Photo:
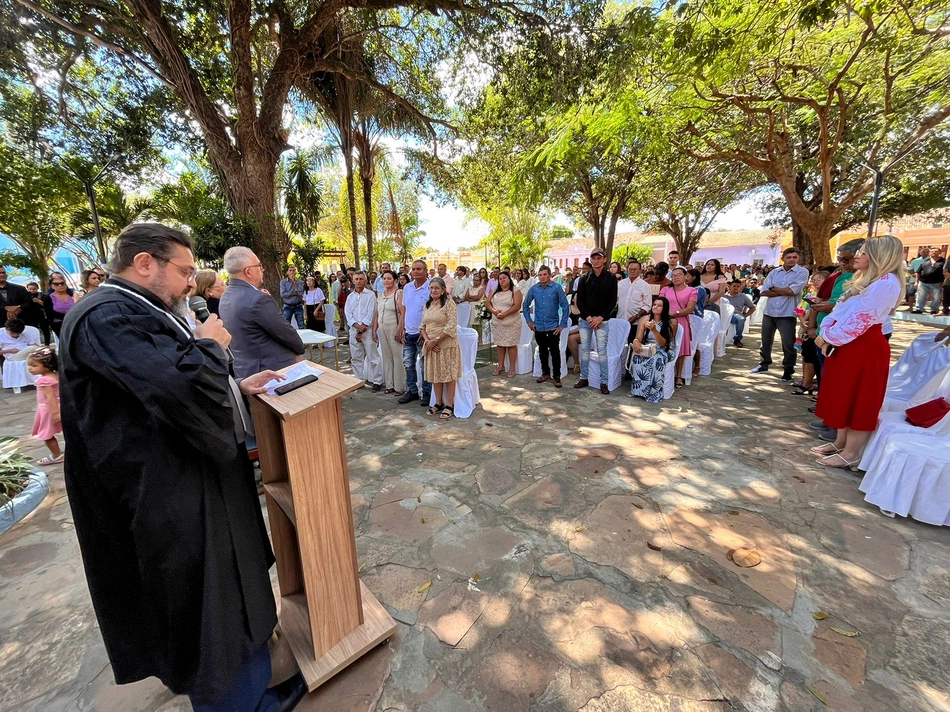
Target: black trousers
[
  {"x": 549, "y": 344},
  {"x": 786, "y": 327}
]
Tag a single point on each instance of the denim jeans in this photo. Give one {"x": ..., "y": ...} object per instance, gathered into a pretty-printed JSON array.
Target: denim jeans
[
  {"x": 294, "y": 310},
  {"x": 585, "y": 349},
  {"x": 248, "y": 692},
  {"x": 739, "y": 322},
  {"x": 928, "y": 293},
  {"x": 410, "y": 351}
]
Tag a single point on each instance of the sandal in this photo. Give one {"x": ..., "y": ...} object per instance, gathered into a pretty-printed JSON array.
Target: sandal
[
  {"x": 390, "y": 391},
  {"x": 498, "y": 372},
  {"x": 679, "y": 383},
  {"x": 820, "y": 449},
  {"x": 447, "y": 412},
  {"x": 434, "y": 409},
  {"x": 843, "y": 465},
  {"x": 397, "y": 394},
  {"x": 51, "y": 460},
  {"x": 803, "y": 391},
  {"x": 511, "y": 374}
]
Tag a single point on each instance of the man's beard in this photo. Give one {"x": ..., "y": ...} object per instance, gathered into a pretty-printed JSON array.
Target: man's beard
[{"x": 175, "y": 302}]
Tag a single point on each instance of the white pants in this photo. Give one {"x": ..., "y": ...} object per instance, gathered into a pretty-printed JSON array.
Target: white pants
[{"x": 364, "y": 357}]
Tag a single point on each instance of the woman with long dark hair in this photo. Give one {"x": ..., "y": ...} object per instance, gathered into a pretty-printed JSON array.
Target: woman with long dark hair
[
  {"x": 58, "y": 302},
  {"x": 440, "y": 346},
  {"x": 714, "y": 280},
  {"x": 682, "y": 299},
  {"x": 505, "y": 305},
  {"x": 652, "y": 350},
  {"x": 314, "y": 299}
]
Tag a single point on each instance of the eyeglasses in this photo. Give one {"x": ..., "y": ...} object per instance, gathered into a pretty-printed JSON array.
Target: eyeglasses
[
  {"x": 100, "y": 275},
  {"x": 257, "y": 265},
  {"x": 189, "y": 272}
]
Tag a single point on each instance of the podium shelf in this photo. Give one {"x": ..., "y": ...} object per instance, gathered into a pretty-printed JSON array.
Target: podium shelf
[{"x": 284, "y": 497}]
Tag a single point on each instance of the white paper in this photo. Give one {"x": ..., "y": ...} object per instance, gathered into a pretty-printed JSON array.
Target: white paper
[{"x": 293, "y": 374}]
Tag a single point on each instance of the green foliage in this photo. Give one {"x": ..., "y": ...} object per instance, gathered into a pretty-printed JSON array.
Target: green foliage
[
  {"x": 306, "y": 254},
  {"x": 632, "y": 251},
  {"x": 518, "y": 237},
  {"x": 15, "y": 469}
]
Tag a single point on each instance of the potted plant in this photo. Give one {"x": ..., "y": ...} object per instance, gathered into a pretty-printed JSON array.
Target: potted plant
[{"x": 22, "y": 487}]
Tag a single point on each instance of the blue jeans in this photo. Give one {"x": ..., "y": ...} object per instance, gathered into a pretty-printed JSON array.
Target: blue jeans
[
  {"x": 410, "y": 351},
  {"x": 739, "y": 321},
  {"x": 248, "y": 692},
  {"x": 294, "y": 310},
  {"x": 928, "y": 293},
  {"x": 586, "y": 335}
]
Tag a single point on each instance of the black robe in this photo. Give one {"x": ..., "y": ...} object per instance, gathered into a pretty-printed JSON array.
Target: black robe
[{"x": 163, "y": 497}]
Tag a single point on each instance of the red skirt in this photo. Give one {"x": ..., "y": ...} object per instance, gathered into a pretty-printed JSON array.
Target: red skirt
[{"x": 854, "y": 381}]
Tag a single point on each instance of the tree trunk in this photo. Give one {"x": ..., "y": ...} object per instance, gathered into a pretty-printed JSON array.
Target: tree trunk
[
  {"x": 611, "y": 232},
  {"x": 815, "y": 246},
  {"x": 351, "y": 200},
  {"x": 801, "y": 243},
  {"x": 367, "y": 184}
]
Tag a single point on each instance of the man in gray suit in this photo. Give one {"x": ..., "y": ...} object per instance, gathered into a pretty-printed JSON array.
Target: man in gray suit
[{"x": 260, "y": 337}]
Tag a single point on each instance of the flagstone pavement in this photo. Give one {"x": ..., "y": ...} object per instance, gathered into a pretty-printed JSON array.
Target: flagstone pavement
[{"x": 563, "y": 551}]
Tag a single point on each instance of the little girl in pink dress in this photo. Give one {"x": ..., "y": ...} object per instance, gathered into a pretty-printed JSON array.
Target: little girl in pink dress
[{"x": 47, "y": 423}]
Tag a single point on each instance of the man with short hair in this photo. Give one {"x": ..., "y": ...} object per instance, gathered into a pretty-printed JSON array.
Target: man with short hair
[
  {"x": 462, "y": 284},
  {"x": 414, "y": 298},
  {"x": 673, "y": 260},
  {"x": 492, "y": 282},
  {"x": 160, "y": 485},
  {"x": 551, "y": 317},
  {"x": 320, "y": 282},
  {"x": 744, "y": 309},
  {"x": 783, "y": 286},
  {"x": 929, "y": 282},
  {"x": 378, "y": 280},
  {"x": 33, "y": 313},
  {"x": 444, "y": 275},
  {"x": 634, "y": 297},
  {"x": 291, "y": 294},
  {"x": 364, "y": 351},
  {"x": 12, "y": 298},
  {"x": 261, "y": 338},
  {"x": 596, "y": 299}
]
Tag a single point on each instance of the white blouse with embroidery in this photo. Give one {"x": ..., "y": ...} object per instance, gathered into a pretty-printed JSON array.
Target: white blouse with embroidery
[{"x": 854, "y": 316}]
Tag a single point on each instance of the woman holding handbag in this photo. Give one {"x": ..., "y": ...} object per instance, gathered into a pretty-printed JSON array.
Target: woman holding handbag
[
  {"x": 854, "y": 375},
  {"x": 651, "y": 350}
]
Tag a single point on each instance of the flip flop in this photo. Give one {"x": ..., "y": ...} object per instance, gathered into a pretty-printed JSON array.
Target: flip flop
[
  {"x": 51, "y": 460},
  {"x": 498, "y": 372},
  {"x": 818, "y": 450}
]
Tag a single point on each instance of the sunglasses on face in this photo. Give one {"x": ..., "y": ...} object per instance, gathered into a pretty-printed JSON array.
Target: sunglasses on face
[{"x": 58, "y": 284}]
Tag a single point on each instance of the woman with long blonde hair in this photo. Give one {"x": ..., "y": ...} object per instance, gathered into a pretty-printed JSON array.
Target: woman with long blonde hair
[{"x": 854, "y": 377}]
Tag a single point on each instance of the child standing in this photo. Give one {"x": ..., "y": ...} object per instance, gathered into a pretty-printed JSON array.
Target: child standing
[{"x": 47, "y": 423}]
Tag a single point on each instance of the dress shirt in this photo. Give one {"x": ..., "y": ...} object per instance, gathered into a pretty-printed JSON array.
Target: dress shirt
[
  {"x": 633, "y": 297},
  {"x": 551, "y": 309},
  {"x": 596, "y": 296},
  {"x": 795, "y": 279},
  {"x": 414, "y": 301},
  {"x": 287, "y": 288},
  {"x": 449, "y": 282},
  {"x": 461, "y": 288},
  {"x": 8, "y": 341},
  {"x": 360, "y": 308},
  {"x": 314, "y": 297}
]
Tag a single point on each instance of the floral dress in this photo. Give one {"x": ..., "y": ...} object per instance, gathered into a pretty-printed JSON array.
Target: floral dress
[{"x": 648, "y": 372}]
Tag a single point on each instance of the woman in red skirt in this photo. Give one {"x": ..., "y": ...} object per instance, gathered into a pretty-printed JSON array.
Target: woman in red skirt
[{"x": 854, "y": 377}]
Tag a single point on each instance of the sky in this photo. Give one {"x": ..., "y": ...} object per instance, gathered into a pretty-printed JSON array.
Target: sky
[{"x": 446, "y": 228}]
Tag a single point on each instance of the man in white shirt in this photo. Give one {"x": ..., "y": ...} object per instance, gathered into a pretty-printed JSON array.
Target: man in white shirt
[
  {"x": 364, "y": 351},
  {"x": 443, "y": 272},
  {"x": 462, "y": 284},
  {"x": 783, "y": 286},
  {"x": 414, "y": 298},
  {"x": 634, "y": 297}
]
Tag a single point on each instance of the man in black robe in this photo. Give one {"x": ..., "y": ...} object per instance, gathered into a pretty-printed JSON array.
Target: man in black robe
[{"x": 167, "y": 515}]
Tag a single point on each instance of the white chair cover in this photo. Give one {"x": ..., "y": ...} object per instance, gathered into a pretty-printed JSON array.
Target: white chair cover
[
  {"x": 894, "y": 425},
  {"x": 697, "y": 326},
  {"x": 563, "y": 347},
  {"x": 919, "y": 349},
  {"x": 617, "y": 332},
  {"x": 707, "y": 346},
  {"x": 526, "y": 348},
  {"x": 669, "y": 374},
  {"x": 464, "y": 314},
  {"x": 329, "y": 312},
  {"x": 467, "y": 395},
  {"x": 912, "y": 379},
  {"x": 911, "y": 477},
  {"x": 726, "y": 311},
  {"x": 756, "y": 318}
]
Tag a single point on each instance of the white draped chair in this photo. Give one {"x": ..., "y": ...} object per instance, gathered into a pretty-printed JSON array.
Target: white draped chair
[
  {"x": 467, "y": 395},
  {"x": 526, "y": 348},
  {"x": 617, "y": 332},
  {"x": 464, "y": 314},
  {"x": 563, "y": 346},
  {"x": 16, "y": 375},
  {"x": 697, "y": 327},
  {"x": 707, "y": 345},
  {"x": 669, "y": 374},
  {"x": 756, "y": 318},
  {"x": 726, "y": 310},
  {"x": 329, "y": 328},
  {"x": 920, "y": 370},
  {"x": 910, "y": 475}
]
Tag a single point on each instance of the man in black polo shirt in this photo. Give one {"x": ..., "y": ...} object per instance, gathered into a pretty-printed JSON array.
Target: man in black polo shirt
[
  {"x": 929, "y": 280},
  {"x": 596, "y": 299},
  {"x": 12, "y": 298}
]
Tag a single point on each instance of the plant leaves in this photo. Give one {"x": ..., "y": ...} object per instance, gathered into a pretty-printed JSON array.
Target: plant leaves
[
  {"x": 819, "y": 615},
  {"x": 842, "y": 631},
  {"x": 818, "y": 696},
  {"x": 425, "y": 587}
]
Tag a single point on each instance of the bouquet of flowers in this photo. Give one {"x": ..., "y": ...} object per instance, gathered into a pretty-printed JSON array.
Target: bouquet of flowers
[{"x": 483, "y": 313}]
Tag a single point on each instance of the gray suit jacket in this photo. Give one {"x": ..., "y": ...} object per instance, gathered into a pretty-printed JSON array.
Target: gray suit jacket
[{"x": 260, "y": 336}]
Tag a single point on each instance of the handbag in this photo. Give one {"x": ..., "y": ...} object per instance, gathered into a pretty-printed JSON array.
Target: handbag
[
  {"x": 646, "y": 351},
  {"x": 927, "y": 414}
]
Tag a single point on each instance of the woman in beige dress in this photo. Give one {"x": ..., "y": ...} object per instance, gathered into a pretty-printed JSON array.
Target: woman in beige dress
[
  {"x": 388, "y": 304},
  {"x": 440, "y": 347},
  {"x": 505, "y": 306}
]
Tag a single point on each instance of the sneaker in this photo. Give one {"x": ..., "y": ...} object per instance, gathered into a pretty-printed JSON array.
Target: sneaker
[
  {"x": 426, "y": 397},
  {"x": 786, "y": 377},
  {"x": 582, "y": 383},
  {"x": 759, "y": 369},
  {"x": 377, "y": 388},
  {"x": 408, "y": 397},
  {"x": 818, "y": 425},
  {"x": 829, "y": 435},
  {"x": 916, "y": 311}
]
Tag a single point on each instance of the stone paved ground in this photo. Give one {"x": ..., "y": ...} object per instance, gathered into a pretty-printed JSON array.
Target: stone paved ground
[{"x": 564, "y": 551}]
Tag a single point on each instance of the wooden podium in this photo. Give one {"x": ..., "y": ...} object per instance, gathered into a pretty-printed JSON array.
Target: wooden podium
[{"x": 329, "y": 617}]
